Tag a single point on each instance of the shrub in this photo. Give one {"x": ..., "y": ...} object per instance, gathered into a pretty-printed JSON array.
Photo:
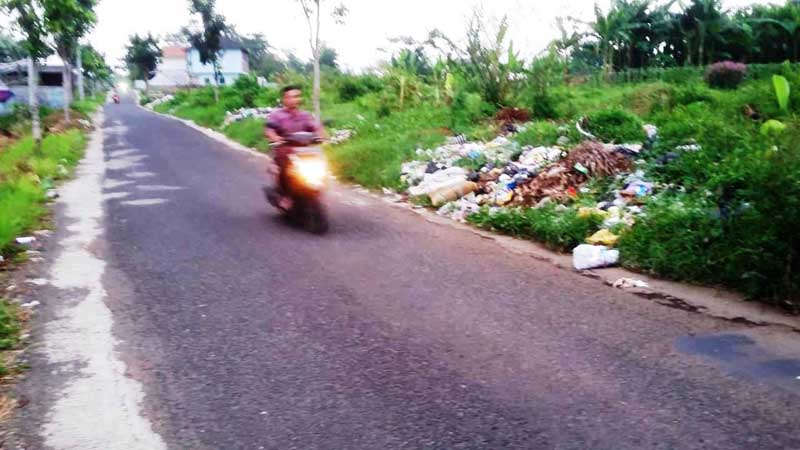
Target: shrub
[
  {"x": 248, "y": 89},
  {"x": 726, "y": 74},
  {"x": 468, "y": 108},
  {"x": 560, "y": 230},
  {"x": 616, "y": 125},
  {"x": 352, "y": 87},
  {"x": 691, "y": 93},
  {"x": 538, "y": 134}
]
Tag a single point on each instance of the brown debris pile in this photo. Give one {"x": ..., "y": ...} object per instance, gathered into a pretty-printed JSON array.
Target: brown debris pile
[{"x": 562, "y": 179}]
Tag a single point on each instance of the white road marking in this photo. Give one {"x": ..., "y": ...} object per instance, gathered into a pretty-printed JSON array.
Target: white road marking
[{"x": 146, "y": 202}]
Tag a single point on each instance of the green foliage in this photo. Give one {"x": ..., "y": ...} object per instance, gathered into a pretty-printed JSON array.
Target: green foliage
[
  {"x": 538, "y": 134},
  {"x": 560, "y": 230},
  {"x": 353, "y": 87},
  {"x": 142, "y": 56},
  {"x": 10, "y": 327},
  {"x": 248, "y": 132},
  {"x": 616, "y": 125},
  {"x": 373, "y": 157},
  {"x": 21, "y": 175},
  {"x": 782, "y": 91},
  {"x": 248, "y": 89},
  {"x": 772, "y": 127}
]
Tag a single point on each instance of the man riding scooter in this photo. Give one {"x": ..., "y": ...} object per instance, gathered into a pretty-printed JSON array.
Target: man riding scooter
[{"x": 281, "y": 125}]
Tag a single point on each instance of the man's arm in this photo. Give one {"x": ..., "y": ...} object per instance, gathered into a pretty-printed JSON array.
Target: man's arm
[{"x": 272, "y": 135}]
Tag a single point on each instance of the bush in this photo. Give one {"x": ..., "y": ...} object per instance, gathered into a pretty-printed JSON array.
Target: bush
[
  {"x": 560, "y": 230},
  {"x": 538, "y": 134},
  {"x": 353, "y": 87},
  {"x": 691, "y": 93},
  {"x": 726, "y": 74},
  {"x": 248, "y": 89},
  {"x": 616, "y": 125},
  {"x": 467, "y": 109}
]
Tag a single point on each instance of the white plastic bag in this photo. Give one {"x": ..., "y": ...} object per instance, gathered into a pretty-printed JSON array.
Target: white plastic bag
[{"x": 593, "y": 256}]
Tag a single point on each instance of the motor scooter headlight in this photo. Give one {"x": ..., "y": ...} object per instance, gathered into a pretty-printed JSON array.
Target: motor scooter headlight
[{"x": 313, "y": 171}]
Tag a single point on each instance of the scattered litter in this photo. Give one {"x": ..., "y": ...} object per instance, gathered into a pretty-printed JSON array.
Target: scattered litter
[
  {"x": 556, "y": 181},
  {"x": 42, "y": 233},
  {"x": 460, "y": 209},
  {"x": 52, "y": 194},
  {"x": 2, "y": 259},
  {"x": 587, "y": 256},
  {"x": 603, "y": 237},
  {"x": 451, "y": 190},
  {"x": 26, "y": 240},
  {"x": 630, "y": 283},
  {"x": 245, "y": 113},
  {"x": 159, "y": 101},
  {"x": 37, "y": 281},
  {"x": 31, "y": 304},
  {"x": 688, "y": 148},
  {"x": 11, "y": 288},
  {"x": 435, "y": 181},
  {"x": 340, "y": 136}
]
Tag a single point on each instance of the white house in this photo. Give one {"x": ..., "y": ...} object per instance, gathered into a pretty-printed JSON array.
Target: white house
[
  {"x": 181, "y": 67},
  {"x": 172, "y": 71},
  {"x": 234, "y": 62}
]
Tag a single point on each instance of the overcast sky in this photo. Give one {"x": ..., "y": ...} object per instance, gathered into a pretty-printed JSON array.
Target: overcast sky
[{"x": 368, "y": 26}]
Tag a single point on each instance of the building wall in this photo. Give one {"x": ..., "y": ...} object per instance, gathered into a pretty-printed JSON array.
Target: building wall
[
  {"x": 49, "y": 96},
  {"x": 233, "y": 63},
  {"x": 172, "y": 72}
]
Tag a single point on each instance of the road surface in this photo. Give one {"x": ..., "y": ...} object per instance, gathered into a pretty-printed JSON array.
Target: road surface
[{"x": 390, "y": 332}]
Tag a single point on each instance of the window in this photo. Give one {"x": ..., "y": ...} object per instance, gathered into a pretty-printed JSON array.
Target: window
[{"x": 221, "y": 79}]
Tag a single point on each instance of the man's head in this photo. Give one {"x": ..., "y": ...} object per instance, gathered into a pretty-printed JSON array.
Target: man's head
[{"x": 292, "y": 97}]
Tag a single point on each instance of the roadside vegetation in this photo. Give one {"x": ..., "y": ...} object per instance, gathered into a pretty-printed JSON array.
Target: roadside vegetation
[{"x": 724, "y": 166}]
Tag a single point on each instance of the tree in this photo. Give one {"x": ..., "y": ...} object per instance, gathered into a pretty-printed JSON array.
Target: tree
[
  {"x": 10, "y": 49},
  {"x": 312, "y": 11},
  {"x": 702, "y": 21},
  {"x": 28, "y": 20},
  {"x": 95, "y": 68},
  {"x": 142, "y": 58},
  {"x": 68, "y": 21},
  {"x": 263, "y": 59},
  {"x": 327, "y": 57},
  {"x": 208, "y": 41}
]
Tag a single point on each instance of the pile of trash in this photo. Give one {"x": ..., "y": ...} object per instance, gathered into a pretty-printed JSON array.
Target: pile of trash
[
  {"x": 562, "y": 179},
  {"x": 246, "y": 113},
  {"x": 159, "y": 101},
  {"x": 460, "y": 178}
]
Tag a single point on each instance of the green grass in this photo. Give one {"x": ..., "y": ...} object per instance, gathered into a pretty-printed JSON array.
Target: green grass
[
  {"x": 248, "y": 132},
  {"x": 25, "y": 175},
  {"x": 559, "y": 230},
  {"x": 374, "y": 156},
  {"x": 10, "y": 331}
]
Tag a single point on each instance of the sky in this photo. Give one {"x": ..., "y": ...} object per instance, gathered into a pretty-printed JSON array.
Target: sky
[{"x": 369, "y": 24}]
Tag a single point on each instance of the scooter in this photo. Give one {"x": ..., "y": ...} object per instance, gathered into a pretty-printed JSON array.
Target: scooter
[{"x": 307, "y": 175}]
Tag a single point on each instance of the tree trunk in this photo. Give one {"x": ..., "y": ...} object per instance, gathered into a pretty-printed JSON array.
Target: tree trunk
[
  {"x": 317, "y": 52},
  {"x": 81, "y": 89},
  {"x": 33, "y": 102},
  {"x": 67, "y": 87}
]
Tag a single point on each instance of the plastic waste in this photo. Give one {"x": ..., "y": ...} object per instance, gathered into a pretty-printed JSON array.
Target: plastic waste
[
  {"x": 629, "y": 283},
  {"x": 26, "y": 240},
  {"x": 603, "y": 237},
  {"x": 434, "y": 181},
  {"x": 451, "y": 190},
  {"x": 587, "y": 256}
]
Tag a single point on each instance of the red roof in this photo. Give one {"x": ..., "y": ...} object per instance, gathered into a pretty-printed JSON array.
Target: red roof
[{"x": 173, "y": 51}]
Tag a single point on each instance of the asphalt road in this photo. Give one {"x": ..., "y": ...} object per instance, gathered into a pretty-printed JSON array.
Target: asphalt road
[{"x": 392, "y": 332}]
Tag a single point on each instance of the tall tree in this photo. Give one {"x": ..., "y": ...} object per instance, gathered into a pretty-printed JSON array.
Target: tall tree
[
  {"x": 95, "y": 67},
  {"x": 68, "y": 21},
  {"x": 312, "y": 11},
  {"x": 10, "y": 49},
  {"x": 208, "y": 41},
  {"x": 142, "y": 58},
  {"x": 28, "y": 20}
]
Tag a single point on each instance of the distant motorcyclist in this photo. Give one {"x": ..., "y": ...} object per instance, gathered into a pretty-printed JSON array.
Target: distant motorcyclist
[{"x": 282, "y": 123}]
